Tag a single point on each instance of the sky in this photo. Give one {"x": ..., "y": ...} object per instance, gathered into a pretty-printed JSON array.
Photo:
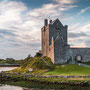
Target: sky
[{"x": 21, "y": 22}]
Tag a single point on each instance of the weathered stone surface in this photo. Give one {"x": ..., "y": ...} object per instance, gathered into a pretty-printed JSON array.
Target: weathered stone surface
[
  {"x": 83, "y": 52},
  {"x": 54, "y": 44}
]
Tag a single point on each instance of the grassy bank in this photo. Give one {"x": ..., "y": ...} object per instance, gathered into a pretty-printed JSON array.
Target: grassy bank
[
  {"x": 10, "y": 61},
  {"x": 87, "y": 63},
  {"x": 35, "y": 82},
  {"x": 70, "y": 69},
  {"x": 38, "y": 64},
  {"x": 44, "y": 66},
  {"x": 27, "y": 84}
]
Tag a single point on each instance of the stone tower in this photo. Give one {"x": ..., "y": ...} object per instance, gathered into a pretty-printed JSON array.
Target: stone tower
[
  {"x": 54, "y": 41},
  {"x": 54, "y": 44}
]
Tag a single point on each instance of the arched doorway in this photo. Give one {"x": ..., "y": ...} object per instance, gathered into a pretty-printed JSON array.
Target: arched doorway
[{"x": 78, "y": 58}]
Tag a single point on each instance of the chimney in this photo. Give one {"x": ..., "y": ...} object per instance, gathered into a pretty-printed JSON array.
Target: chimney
[
  {"x": 50, "y": 21},
  {"x": 45, "y": 22}
]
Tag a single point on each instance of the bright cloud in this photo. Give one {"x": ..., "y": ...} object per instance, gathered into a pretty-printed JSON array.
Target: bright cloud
[
  {"x": 84, "y": 10},
  {"x": 79, "y": 35},
  {"x": 64, "y": 5},
  {"x": 65, "y": 1},
  {"x": 20, "y": 25},
  {"x": 11, "y": 13}
]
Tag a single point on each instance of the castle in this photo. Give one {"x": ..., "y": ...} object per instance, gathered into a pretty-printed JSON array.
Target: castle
[{"x": 54, "y": 44}]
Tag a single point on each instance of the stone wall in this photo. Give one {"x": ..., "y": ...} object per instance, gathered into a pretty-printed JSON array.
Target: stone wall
[
  {"x": 45, "y": 40},
  {"x": 51, "y": 51},
  {"x": 60, "y": 42},
  {"x": 53, "y": 31},
  {"x": 56, "y": 50},
  {"x": 54, "y": 44},
  {"x": 83, "y": 52}
]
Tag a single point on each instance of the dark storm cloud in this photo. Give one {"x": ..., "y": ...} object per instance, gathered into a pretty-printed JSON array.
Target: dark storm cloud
[{"x": 75, "y": 35}]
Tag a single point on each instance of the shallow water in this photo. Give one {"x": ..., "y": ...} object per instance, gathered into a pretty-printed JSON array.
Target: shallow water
[
  {"x": 6, "y": 68},
  {"x": 8, "y": 87}
]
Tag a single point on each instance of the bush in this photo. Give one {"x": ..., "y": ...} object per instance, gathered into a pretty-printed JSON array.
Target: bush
[{"x": 38, "y": 54}]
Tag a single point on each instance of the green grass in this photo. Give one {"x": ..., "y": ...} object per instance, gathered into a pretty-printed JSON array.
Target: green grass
[
  {"x": 87, "y": 63},
  {"x": 53, "y": 83},
  {"x": 69, "y": 70},
  {"x": 28, "y": 84},
  {"x": 37, "y": 64},
  {"x": 41, "y": 68}
]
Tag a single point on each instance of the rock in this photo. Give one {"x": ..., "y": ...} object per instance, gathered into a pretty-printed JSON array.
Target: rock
[{"x": 31, "y": 69}]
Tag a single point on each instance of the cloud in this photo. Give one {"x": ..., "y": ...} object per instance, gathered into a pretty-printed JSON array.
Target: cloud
[
  {"x": 87, "y": 42},
  {"x": 84, "y": 10},
  {"x": 73, "y": 27},
  {"x": 85, "y": 28},
  {"x": 65, "y": 5},
  {"x": 44, "y": 12},
  {"x": 20, "y": 25},
  {"x": 76, "y": 35},
  {"x": 19, "y": 34},
  {"x": 64, "y": 1},
  {"x": 79, "y": 35},
  {"x": 11, "y": 13},
  {"x": 4, "y": 32}
]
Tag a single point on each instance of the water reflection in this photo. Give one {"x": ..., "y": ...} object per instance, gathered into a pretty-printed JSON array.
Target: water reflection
[
  {"x": 6, "y": 68},
  {"x": 8, "y": 87}
]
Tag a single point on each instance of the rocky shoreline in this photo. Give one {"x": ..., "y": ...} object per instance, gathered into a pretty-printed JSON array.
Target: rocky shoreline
[
  {"x": 9, "y": 65},
  {"x": 59, "y": 80},
  {"x": 43, "y": 76}
]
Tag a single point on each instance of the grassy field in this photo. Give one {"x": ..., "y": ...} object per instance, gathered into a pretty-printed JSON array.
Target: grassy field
[
  {"x": 87, "y": 63},
  {"x": 69, "y": 70},
  {"x": 45, "y": 67},
  {"x": 48, "y": 83}
]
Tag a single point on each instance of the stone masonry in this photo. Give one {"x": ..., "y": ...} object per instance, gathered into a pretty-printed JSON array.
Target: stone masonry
[{"x": 54, "y": 44}]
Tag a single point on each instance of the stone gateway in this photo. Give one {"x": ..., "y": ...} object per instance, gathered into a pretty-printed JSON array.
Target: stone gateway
[{"x": 55, "y": 45}]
